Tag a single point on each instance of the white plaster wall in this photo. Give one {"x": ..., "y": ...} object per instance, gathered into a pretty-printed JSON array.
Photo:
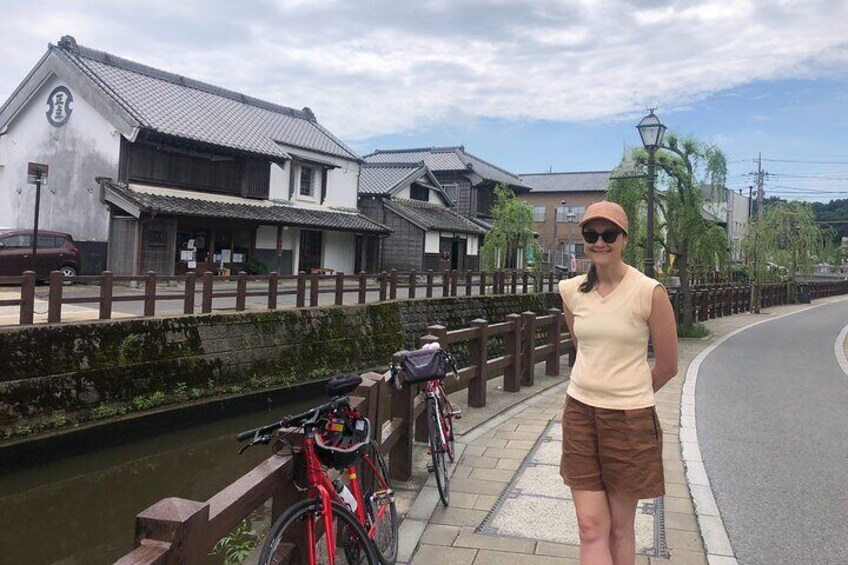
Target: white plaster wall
[
  {"x": 266, "y": 237},
  {"x": 279, "y": 182},
  {"x": 339, "y": 249},
  {"x": 431, "y": 242},
  {"x": 343, "y": 184},
  {"x": 86, "y": 146},
  {"x": 473, "y": 245}
]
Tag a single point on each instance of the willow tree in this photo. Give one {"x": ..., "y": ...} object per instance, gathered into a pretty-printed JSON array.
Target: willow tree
[
  {"x": 512, "y": 230},
  {"x": 684, "y": 167},
  {"x": 787, "y": 239}
]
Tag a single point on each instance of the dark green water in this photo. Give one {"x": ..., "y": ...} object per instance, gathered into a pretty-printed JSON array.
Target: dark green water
[{"x": 81, "y": 510}]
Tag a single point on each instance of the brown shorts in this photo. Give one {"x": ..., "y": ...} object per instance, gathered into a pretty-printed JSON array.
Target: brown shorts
[{"x": 619, "y": 451}]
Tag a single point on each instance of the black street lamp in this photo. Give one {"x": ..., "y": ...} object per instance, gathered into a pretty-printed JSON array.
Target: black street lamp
[{"x": 652, "y": 130}]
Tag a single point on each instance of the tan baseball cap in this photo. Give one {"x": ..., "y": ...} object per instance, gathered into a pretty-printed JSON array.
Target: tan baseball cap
[{"x": 605, "y": 210}]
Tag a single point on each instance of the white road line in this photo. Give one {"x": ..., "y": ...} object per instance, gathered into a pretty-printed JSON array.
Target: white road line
[
  {"x": 839, "y": 350},
  {"x": 716, "y": 541}
]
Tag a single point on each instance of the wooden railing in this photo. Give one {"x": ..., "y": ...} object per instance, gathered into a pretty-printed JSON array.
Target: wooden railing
[
  {"x": 198, "y": 294},
  {"x": 176, "y": 530}
]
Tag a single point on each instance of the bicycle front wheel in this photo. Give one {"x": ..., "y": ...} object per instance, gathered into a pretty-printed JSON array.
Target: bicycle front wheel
[
  {"x": 437, "y": 450},
  {"x": 447, "y": 426},
  {"x": 299, "y": 537},
  {"x": 379, "y": 504}
]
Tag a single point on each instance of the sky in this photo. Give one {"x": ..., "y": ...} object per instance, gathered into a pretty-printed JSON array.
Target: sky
[{"x": 531, "y": 86}]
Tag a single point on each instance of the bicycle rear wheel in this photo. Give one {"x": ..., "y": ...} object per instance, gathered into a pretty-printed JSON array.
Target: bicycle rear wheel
[
  {"x": 289, "y": 543},
  {"x": 379, "y": 503},
  {"x": 437, "y": 451},
  {"x": 447, "y": 426}
]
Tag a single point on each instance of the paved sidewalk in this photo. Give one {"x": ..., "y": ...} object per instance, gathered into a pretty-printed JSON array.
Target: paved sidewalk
[{"x": 494, "y": 459}]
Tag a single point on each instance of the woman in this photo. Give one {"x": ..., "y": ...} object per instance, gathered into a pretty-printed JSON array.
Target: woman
[{"x": 612, "y": 441}]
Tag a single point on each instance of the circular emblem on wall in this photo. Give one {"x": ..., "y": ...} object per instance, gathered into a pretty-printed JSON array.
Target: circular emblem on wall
[{"x": 59, "y": 106}]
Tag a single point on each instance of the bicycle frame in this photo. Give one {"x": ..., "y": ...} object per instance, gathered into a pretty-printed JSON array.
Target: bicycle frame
[{"x": 435, "y": 390}]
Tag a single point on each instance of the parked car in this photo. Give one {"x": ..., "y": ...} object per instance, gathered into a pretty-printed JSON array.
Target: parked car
[{"x": 56, "y": 252}]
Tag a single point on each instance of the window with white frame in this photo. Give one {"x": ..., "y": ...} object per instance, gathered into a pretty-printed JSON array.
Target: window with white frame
[
  {"x": 538, "y": 213},
  {"x": 306, "y": 185}
]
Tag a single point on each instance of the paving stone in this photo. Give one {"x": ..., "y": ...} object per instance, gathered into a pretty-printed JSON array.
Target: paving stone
[
  {"x": 485, "y": 557},
  {"x": 680, "y": 557},
  {"x": 409, "y": 534},
  {"x": 500, "y": 475},
  {"x": 521, "y": 444},
  {"x": 495, "y": 543},
  {"x": 484, "y": 502},
  {"x": 557, "y": 550},
  {"x": 429, "y": 554},
  {"x": 688, "y": 541},
  {"x": 457, "y": 516},
  {"x": 476, "y": 487},
  {"x": 675, "y": 504},
  {"x": 721, "y": 560},
  {"x": 438, "y": 534},
  {"x": 464, "y": 500},
  {"x": 475, "y": 450},
  {"x": 508, "y": 464},
  {"x": 533, "y": 414},
  {"x": 676, "y": 489},
  {"x": 424, "y": 503},
  {"x": 491, "y": 442},
  {"x": 529, "y": 436},
  {"x": 678, "y": 521},
  {"x": 507, "y": 427},
  {"x": 538, "y": 428},
  {"x": 480, "y": 462},
  {"x": 505, "y": 453},
  {"x": 549, "y": 452}
]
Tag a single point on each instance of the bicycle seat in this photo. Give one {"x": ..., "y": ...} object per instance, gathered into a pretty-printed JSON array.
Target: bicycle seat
[{"x": 345, "y": 383}]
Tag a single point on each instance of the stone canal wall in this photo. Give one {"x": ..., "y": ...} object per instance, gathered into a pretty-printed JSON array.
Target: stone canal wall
[{"x": 52, "y": 377}]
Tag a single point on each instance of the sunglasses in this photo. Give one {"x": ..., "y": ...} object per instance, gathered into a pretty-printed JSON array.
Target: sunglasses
[{"x": 608, "y": 236}]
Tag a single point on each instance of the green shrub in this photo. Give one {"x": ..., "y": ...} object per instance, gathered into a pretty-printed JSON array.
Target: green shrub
[{"x": 696, "y": 331}]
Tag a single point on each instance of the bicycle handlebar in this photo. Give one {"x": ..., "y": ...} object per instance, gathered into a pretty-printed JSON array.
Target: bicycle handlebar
[{"x": 310, "y": 416}]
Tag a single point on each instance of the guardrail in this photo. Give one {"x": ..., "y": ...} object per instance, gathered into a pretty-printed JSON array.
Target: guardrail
[
  {"x": 198, "y": 294},
  {"x": 176, "y": 530}
]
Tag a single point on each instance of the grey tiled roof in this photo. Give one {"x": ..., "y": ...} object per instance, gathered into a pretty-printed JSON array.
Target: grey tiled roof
[
  {"x": 381, "y": 178},
  {"x": 177, "y": 106},
  {"x": 448, "y": 159},
  {"x": 593, "y": 181},
  {"x": 432, "y": 217},
  {"x": 235, "y": 208}
]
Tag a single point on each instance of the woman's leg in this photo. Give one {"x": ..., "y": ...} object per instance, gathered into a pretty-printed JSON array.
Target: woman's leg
[
  {"x": 593, "y": 521},
  {"x": 622, "y": 538}
]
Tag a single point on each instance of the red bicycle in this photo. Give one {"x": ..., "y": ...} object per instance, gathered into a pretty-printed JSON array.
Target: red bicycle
[{"x": 336, "y": 524}]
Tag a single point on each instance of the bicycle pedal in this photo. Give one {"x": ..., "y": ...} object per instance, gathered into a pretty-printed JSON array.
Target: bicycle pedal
[
  {"x": 384, "y": 497},
  {"x": 430, "y": 468},
  {"x": 457, "y": 414}
]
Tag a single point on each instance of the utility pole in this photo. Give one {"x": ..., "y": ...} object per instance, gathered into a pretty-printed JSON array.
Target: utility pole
[{"x": 755, "y": 287}]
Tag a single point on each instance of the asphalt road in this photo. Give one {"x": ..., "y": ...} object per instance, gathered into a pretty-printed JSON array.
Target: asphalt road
[{"x": 772, "y": 420}]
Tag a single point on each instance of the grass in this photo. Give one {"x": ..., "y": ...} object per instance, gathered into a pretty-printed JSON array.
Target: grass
[{"x": 694, "y": 331}]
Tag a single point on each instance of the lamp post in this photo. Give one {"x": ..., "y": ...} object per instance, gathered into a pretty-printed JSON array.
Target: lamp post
[
  {"x": 651, "y": 129},
  {"x": 554, "y": 245}
]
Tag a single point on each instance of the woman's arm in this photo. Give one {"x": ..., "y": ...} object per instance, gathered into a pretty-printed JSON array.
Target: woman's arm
[
  {"x": 664, "y": 337},
  {"x": 569, "y": 321}
]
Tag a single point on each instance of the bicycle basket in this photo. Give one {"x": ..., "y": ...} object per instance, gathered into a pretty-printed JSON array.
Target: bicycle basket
[
  {"x": 422, "y": 365},
  {"x": 343, "y": 438}
]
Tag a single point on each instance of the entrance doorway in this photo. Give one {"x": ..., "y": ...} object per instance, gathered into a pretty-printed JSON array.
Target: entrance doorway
[
  {"x": 452, "y": 254},
  {"x": 310, "y": 250}
]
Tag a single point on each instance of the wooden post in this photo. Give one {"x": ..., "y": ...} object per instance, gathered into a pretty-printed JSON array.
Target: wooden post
[
  {"x": 241, "y": 290},
  {"x": 382, "y": 278},
  {"x": 528, "y": 363},
  {"x": 273, "y": 283},
  {"x": 150, "y": 294},
  {"x": 551, "y": 282},
  {"x": 468, "y": 275},
  {"x": 54, "y": 298},
  {"x": 552, "y": 364},
  {"x": 430, "y": 283},
  {"x": 446, "y": 283},
  {"x": 339, "y": 289},
  {"x": 393, "y": 283},
  {"x": 512, "y": 346},
  {"x": 313, "y": 288},
  {"x": 106, "y": 295},
  {"x": 27, "y": 313},
  {"x": 524, "y": 280},
  {"x": 413, "y": 281},
  {"x": 300, "y": 297},
  {"x": 206, "y": 306},
  {"x": 514, "y": 286},
  {"x": 363, "y": 286},
  {"x": 496, "y": 277},
  {"x": 188, "y": 292},
  {"x": 180, "y": 522},
  {"x": 482, "y": 283},
  {"x": 479, "y": 355},
  {"x": 454, "y": 281},
  {"x": 400, "y": 456}
]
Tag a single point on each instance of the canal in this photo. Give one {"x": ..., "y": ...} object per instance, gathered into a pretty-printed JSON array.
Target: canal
[{"x": 81, "y": 509}]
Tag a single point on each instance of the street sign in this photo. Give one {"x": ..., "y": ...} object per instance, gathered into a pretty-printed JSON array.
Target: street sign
[{"x": 36, "y": 173}]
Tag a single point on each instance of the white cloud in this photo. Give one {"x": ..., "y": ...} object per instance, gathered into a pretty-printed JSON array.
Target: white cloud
[{"x": 382, "y": 67}]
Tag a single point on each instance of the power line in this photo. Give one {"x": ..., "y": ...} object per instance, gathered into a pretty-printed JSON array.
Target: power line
[{"x": 807, "y": 162}]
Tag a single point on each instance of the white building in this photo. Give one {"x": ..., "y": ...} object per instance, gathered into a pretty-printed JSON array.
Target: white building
[{"x": 191, "y": 176}]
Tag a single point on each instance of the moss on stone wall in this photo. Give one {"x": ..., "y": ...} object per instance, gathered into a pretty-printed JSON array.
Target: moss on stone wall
[{"x": 77, "y": 372}]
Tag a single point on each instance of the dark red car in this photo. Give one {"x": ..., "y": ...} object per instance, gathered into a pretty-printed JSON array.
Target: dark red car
[{"x": 56, "y": 252}]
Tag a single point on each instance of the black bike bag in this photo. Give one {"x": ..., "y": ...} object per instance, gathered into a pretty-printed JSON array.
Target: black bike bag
[
  {"x": 340, "y": 385},
  {"x": 422, "y": 365}
]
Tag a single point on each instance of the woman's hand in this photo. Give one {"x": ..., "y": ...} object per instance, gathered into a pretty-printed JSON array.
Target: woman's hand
[{"x": 664, "y": 337}]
